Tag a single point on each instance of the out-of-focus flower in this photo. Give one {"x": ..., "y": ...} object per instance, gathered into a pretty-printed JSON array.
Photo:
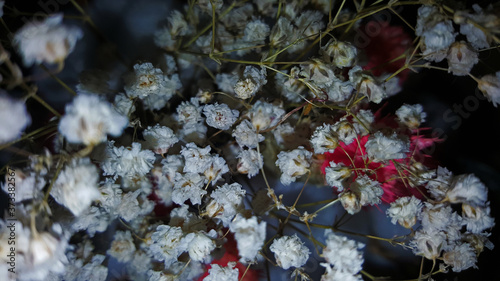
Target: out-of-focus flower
[{"x": 14, "y": 116}]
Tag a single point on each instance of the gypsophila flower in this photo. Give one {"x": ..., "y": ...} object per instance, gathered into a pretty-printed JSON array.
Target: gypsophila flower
[
  {"x": 220, "y": 116},
  {"x": 461, "y": 58},
  {"x": 363, "y": 191},
  {"x": 226, "y": 82},
  {"x": 460, "y": 257},
  {"x": 188, "y": 186},
  {"x": 411, "y": 115},
  {"x": 293, "y": 164},
  {"x": 264, "y": 115},
  {"x": 332, "y": 274},
  {"x": 27, "y": 186},
  {"x": 47, "y": 41},
  {"x": 76, "y": 186},
  {"x": 189, "y": 112},
  {"x": 199, "y": 245},
  {"x": 467, "y": 189},
  {"x": 197, "y": 160},
  {"x": 123, "y": 105},
  {"x": 405, "y": 211},
  {"x": 381, "y": 148},
  {"x": 289, "y": 251},
  {"x": 127, "y": 161},
  {"x": 218, "y": 273},
  {"x": 341, "y": 54},
  {"x": 88, "y": 120},
  {"x": 246, "y": 135},
  {"x": 335, "y": 175},
  {"x": 160, "y": 138},
  {"x": 250, "y": 235},
  {"x": 249, "y": 162},
  {"x": 477, "y": 218},
  {"x": 428, "y": 243},
  {"x": 490, "y": 86},
  {"x": 344, "y": 254},
  {"x": 325, "y": 139},
  {"x": 165, "y": 244},
  {"x": 12, "y": 110},
  {"x": 478, "y": 29},
  {"x": 216, "y": 169},
  {"x": 178, "y": 25},
  {"x": 122, "y": 247},
  {"x": 227, "y": 201},
  {"x": 436, "y": 31},
  {"x": 251, "y": 82},
  {"x": 438, "y": 217}
]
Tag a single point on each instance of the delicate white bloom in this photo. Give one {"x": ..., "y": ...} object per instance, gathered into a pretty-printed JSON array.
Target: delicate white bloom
[
  {"x": 249, "y": 162},
  {"x": 346, "y": 132},
  {"x": 127, "y": 161},
  {"x": 189, "y": 112},
  {"x": 428, "y": 243},
  {"x": 92, "y": 220},
  {"x": 289, "y": 86},
  {"x": 197, "y": 160},
  {"x": 283, "y": 133},
  {"x": 26, "y": 186},
  {"x": 318, "y": 71},
  {"x": 76, "y": 186},
  {"x": 253, "y": 79},
  {"x": 220, "y": 116},
  {"x": 47, "y": 41},
  {"x": 325, "y": 139},
  {"x": 476, "y": 35},
  {"x": 226, "y": 82},
  {"x": 160, "y": 138},
  {"x": 249, "y": 235},
  {"x": 438, "y": 186},
  {"x": 363, "y": 191},
  {"x": 490, "y": 86},
  {"x": 122, "y": 248},
  {"x": 246, "y": 135},
  {"x": 227, "y": 201},
  {"x": 332, "y": 274},
  {"x": 171, "y": 165},
  {"x": 363, "y": 123},
  {"x": 188, "y": 221},
  {"x": 15, "y": 118},
  {"x": 177, "y": 24},
  {"x": 123, "y": 104},
  {"x": 165, "y": 244},
  {"x": 335, "y": 174},
  {"x": 256, "y": 32},
  {"x": 366, "y": 84},
  {"x": 343, "y": 253},
  {"x": 461, "y": 58},
  {"x": 436, "y": 31},
  {"x": 218, "y": 273},
  {"x": 341, "y": 54},
  {"x": 93, "y": 270},
  {"x": 264, "y": 115},
  {"x": 339, "y": 91},
  {"x": 88, "y": 120},
  {"x": 129, "y": 208},
  {"x": 438, "y": 217},
  {"x": 460, "y": 257},
  {"x": 293, "y": 164},
  {"x": 381, "y": 148},
  {"x": 411, "y": 115},
  {"x": 477, "y": 219},
  {"x": 309, "y": 23},
  {"x": 199, "y": 245},
  {"x": 282, "y": 32},
  {"x": 188, "y": 186},
  {"x": 467, "y": 189},
  {"x": 216, "y": 169},
  {"x": 405, "y": 211},
  {"x": 289, "y": 251}
]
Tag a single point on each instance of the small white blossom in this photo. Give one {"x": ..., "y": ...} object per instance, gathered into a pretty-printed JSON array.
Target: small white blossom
[
  {"x": 293, "y": 164},
  {"x": 220, "y": 116},
  {"x": 188, "y": 186},
  {"x": 227, "y": 201},
  {"x": 461, "y": 58},
  {"x": 381, "y": 148},
  {"x": 178, "y": 25},
  {"x": 197, "y": 160},
  {"x": 246, "y": 135},
  {"x": 226, "y": 82},
  {"x": 48, "y": 41},
  {"x": 490, "y": 86},
  {"x": 467, "y": 189},
  {"x": 436, "y": 31},
  {"x": 249, "y": 162},
  {"x": 249, "y": 235},
  {"x": 477, "y": 219},
  {"x": 411, "y": 115},
  {"x": 256, "y": 32},
  {"x": 127, "y": 161},
  {"x": 366, "y": 84},
  {"x": 264, "y": 115},
  {"x": 122, "y": 248},
  {"x": 460, "y": 257},
  {"x": 165, "y": 244},
  {"x": 335, "y": 175},
  {"x": 325, "y": 139},
  {"x": 342, "y": 54},
  {"x": 282, "y": 32},
  {"x": 189, "y": 112},
  {"x": 253, "y": 79},
  {"x": 344, "y": 254},
  {"x": 218, "y": 273},
  {"x": 289, "y": 251},
  {"x": 478, "y": 31},
  {"x": 199, "y": 245},
  {"x": 16, "y": 112},
  {"x": 76, "y": 186},
  {"x": 405, "y": 211},
  {"x": 339, "y": 91},
  {"x": 88, "y": 120},
  {"x": 27, "y": 186},
  {"x": 123, "y": 104},
  {"x": 438, "y": 217},
  {"x": 290, "y": 86},
  {"x": 332, "y": 274},
  {"x": 428, "y": 243},
  {"x": 309, "y": 23},
  {"x": 160, "y": 138},
  {"x": 363, "y": 191},
  {"x": 216, "y": 169}
]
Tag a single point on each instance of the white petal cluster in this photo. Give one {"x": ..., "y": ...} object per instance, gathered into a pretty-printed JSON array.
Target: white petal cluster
[
  {"x": 477, "y": 218},
  {"x": 411, "y": 115},
  {"x": 437, "y": 32},
  {"x": 48, "y": 41},
  {"x": 123, "y": 104},
  {"x": 363, "y": 191},
  {"x": 335, "y": 175},
  {"x": 405, "y": 211},
  {"x": 127, "y": 162},
  {"x": 227, "y": 202},
  {"x": 253, "y": 79},
  {"x": 366, "y": 84},
  {"x": 381, "y": 148},
  {"x": 165, "y": 244},
  {"x": 249, "y": 235},
  {"x": 342, "y": 54},
  {"x": 460, "y": 257},
  {"x": 490, "y": 86},
  {"x": 343, "y": 253},
  {"x": 461, "y": 58},
  {"x": 151, "y": 85},
  {"x": 246, "y": 135},
  {"x": 76, "y": 186},
  {"x": 264, "y": 115},
  {"x": 216, "y": 168},
  {"x": 122, "y": 248},
  {"x": 199, "y": 245},
  {"x": 293, "y": 164},
  {"x": 197, "y": 160},
  {"x": 220, "y": 116},
  {"x": 467, "y": 189},
  {"x": 428, "y": 243},
  {"x": 188, "y": 186},
  {"x": 227, "y": 273},
  {"x": 289, "y": 251},
  {"x": 324, "y": 139},
  {"x": 256, "y": 32},
  {"x": 89, "y": 120},
  {"x": 482, "y": 22},
  {"x": 14, "y": 116},
  {"x": 249, "y": 162},
  {"x": 160, "y": 138},
  {"x": 290, "y": 86}
]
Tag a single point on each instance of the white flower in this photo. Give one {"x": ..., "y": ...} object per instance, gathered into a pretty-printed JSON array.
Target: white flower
[
  {"x": 411, "y": 115},
  {"x": 128, "y": 162},
  {"x": 48, "y": 41},
  {"x": 251, "y": 82},
  {"x": 481, "y": 25},
  {"x": 289, "y": 251},
  {"x": 226, "y": 82},
  {"x": 438, "y": 217},
  {"x": 227, "y": 201},
  {"x": 428, "y": 243},
  {"x": 293, "y": 164},
  {"x": 122, "y": 248},
  {"x": 467, "y": 189},
  {"x": 246, "y": 135},
  {"x": 249, "y": 235},
  {"x": 220, "y": 116},
  {"x": 344, "y": 254},
  {"x": 332, "y": 274},
  {"x": 461, "y": 58},
  {"x": 363, "y": 191},
  {"x": 177, "y": 24},
  {"x": 282, "y": 32},
  {"x": 160, "y": 138},
  {"x": 490, "y": 86},
  {"x": 438, "y": 186},
  {"x": 405, "y": 211},
  {"x": 335, "y": 175},
  {"x": 309, "y": 23},
  {"x": 339, "y": 91},
  {"x": 199, "y": 245},
  {"x": 123, "y": 104},
  {"x": 76, "y": 186},
  {"x": 189, "y": 112},
  {"x": 380, "y": 147},
  {"x": 477, "y": 219},
  {"x": 15, "y": 118},
  {"x": 289, "y": 86},
  {"x": 461, "y": 257},
  {"x": 249, "y": 162},
  {"x": 218, "y": 273},
  {"x": 256, "y": 32},
  {"x": 88, "y": 120},
  {"x": 436, "y": 31},
  {"x": 325, "y": 139},
  {"x": 366, "y": 84},
  {"x": 264, "y": 115},
  {"x": 216, "y": 169},
  {"x": 188, "y": 186},
  {"x": 165, "y": 244},
  {"x": 342, "y": 54},
  {"x": 197, "y": 160},
  {"x": 27, "y": 186}
]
